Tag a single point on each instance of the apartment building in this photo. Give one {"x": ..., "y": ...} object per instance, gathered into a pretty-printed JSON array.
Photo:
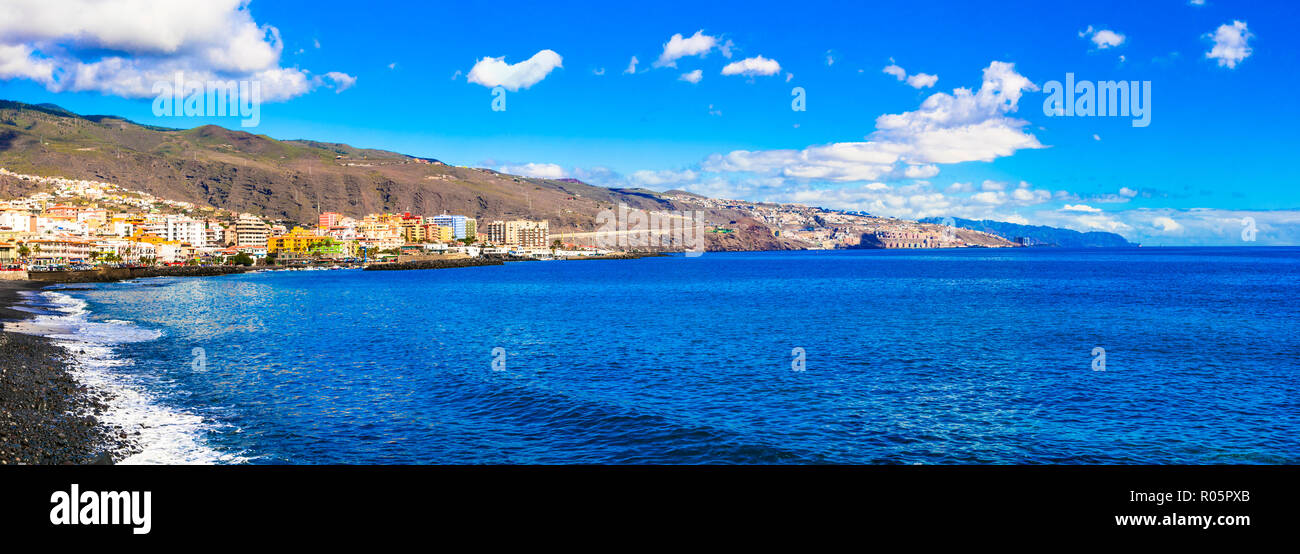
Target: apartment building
[
  {"x": 183, "y": 229},
  {"x": 59, "y": 251},
  {"x": 329, "y": 219},
  {"x": 461, "y": 226},
  {"x": 251, "y": 231},
  {"x": 519, "y": 232}
]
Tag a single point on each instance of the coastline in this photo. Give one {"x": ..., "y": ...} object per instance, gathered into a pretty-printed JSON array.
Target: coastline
[{"x": 47, "y": 416}]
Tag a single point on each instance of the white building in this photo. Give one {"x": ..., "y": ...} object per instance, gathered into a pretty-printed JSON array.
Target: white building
[{"x": 185, "y": 229}]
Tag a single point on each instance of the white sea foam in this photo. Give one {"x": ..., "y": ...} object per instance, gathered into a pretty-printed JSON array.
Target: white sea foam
[{"x": 167, "y": 435}]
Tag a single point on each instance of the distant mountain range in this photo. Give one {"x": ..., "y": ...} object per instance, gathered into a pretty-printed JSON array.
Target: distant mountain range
[{"x": 1039, "y": 235}]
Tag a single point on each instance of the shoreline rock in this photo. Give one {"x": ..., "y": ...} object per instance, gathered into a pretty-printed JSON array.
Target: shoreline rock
[
  {"x": 46, "y": 415},
  {"x": 104, "y": 275},
  {"x": 434, "y": 264}
]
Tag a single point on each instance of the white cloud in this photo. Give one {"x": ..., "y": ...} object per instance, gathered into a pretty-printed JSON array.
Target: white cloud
[
  {"x": 692, "y": 76},
  {"x": 494, "y": 72},
  {"x": 342, "y": 81},
  {"x": 1166, "y": 224},
  {"x": 918, "y": 81},
  {"x": 1103, "y": 38},
  {"x": 663, "y": 177},
  {"x": 922, "y": 80},
  {"x": 631, "y": 66},
  {"x": 1127, "y": 192},
  {"x": 535, "y": 170},
  {"x": 1231, "y": 44},
  {"x": 1107, "y": 38},
  {"x": 755, "y": 66},
  {"x": 830, "y": 58},
  {"x": 85, "y": 45},
  {"x": 598, "y": 71},
  {"x": 948, "y": 128},
  {"x": 921, "y": 171},
  {"x": 677, "y": 47},
  {"x": 1080, "y": 208},
  {"x": 726, "y": 49}
]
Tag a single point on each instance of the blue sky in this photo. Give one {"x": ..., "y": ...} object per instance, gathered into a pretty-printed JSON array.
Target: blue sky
[{"x": 413, "y": 77}]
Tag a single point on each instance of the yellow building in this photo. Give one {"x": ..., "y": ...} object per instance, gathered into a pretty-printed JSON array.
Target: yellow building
[
  {"x": 438, "y": 233},
  {"x": 297, "y": 240}
]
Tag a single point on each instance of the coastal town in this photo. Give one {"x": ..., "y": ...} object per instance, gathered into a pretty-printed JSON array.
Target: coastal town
[{"x": 80, "y": 224}]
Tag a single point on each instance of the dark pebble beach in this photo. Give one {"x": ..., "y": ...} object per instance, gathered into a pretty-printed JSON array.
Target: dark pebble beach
[{"x": 46, "y": 415}]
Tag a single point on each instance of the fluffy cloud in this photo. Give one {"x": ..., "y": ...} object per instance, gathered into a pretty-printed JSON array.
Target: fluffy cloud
[
  {"x": 85, "y": 45},
  {"x": 631, "y": 66},
  {"x": 536, "y": 170},
  {"x": 948, "y": 128},
  {"x": 1103, "y": 38},
  {"x": 917, "y": 81},
  {"x": 678, "y": 47},
  {"x": 1084, "y": 208},
  {"x": 922, "y": 80},
  {"x": 494, "y": 72},
  {"x": 1230, "y": 44},
  {"x": 662, "y": 178},
  {"x": 755, "y": 66},
  {"x": 1167, "y": 224},
  {"x": 342, "y": 81},
  {"x": 692, "y": 76}
]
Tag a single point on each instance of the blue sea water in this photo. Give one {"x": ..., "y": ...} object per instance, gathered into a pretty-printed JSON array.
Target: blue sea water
[{"x": 909, "y": 357}]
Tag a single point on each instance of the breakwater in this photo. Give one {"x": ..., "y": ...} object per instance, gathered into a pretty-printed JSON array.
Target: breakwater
[
  {"x": 435, "y": 264},
  {"x": 104, "y": 275}
]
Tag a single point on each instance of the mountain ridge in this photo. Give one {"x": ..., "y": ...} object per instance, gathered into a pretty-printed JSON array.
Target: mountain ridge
[{"x": 1041, "y": 235}]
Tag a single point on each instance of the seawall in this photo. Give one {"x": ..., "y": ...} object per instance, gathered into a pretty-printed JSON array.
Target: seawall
[{"x": 104, "y": 275}]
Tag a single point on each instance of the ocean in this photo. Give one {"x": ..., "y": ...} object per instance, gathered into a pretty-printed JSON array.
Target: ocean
[{"x": 972, "y": 356}]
